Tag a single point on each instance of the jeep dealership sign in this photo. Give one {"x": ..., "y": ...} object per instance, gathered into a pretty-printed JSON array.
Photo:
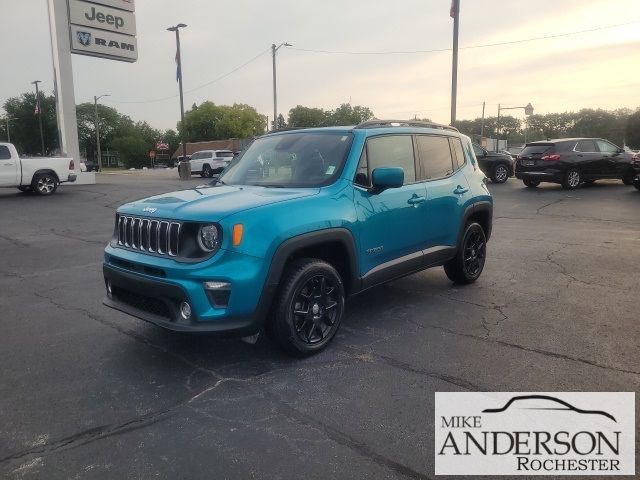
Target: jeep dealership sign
[{"x": 103, "y": 28}]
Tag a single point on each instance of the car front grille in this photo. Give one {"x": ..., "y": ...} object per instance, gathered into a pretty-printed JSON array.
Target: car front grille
[{"x": 149, "y": 235}]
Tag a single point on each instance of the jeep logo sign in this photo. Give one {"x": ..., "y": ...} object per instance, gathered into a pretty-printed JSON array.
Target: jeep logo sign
[
  {"x": 101, "y": 17},
  {"x": 99, "y": 43}
]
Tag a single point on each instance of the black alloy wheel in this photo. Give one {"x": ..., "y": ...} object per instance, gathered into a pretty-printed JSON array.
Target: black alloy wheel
[
  {"x": 207, "y": 172},
  {"x": 45, "y": 184},
  {"x": 309, "y": 307},
  {"x": 470, "y": 258}
]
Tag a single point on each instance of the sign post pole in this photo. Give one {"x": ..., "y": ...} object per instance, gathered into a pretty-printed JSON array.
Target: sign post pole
[{"x": 63, "y": 78}]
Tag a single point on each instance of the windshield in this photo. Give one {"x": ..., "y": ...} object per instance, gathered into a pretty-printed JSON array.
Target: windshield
[{"x": 298, "y": 159}]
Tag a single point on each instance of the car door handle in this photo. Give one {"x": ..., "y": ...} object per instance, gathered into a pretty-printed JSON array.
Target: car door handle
[
  {"x": 460, "y": 190},
  {"x": 416, "y": 200}
]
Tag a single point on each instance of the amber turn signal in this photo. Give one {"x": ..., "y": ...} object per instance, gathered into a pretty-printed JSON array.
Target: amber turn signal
[{"x": 237, "y": 234}]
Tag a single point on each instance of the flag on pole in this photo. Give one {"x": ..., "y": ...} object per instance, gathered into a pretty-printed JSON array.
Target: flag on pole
[
  {"x": 36, "y": 111},
  {"x": 178, "y": 72},
  {"x": 454, "y": 9}
]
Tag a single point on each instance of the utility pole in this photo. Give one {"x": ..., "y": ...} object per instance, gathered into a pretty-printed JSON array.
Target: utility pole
[
  {"x": 498, "y": 130},
  {"x": 482, "y": 123},
  {"x": 39, "y": 109},
  {"x": 8, "y": 132},
  {"x": 95, "y": 104},
  {"x": 185, "y": 171},
  {"x": 274, "y": 50},
  {"x": 455, "y": 13}
]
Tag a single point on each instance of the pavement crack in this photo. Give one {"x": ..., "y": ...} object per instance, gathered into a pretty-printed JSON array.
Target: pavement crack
[
  {"x": 14, "y": 241},
  {"x": 528, "y": 349},
  {"x": 139, "y": 338},
  {"x": 539, "y": 209},
  {"x": 359, "y": 447}
]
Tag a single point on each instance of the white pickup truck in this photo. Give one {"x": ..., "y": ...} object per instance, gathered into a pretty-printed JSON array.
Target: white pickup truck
[{"x": 41, "y": 175}]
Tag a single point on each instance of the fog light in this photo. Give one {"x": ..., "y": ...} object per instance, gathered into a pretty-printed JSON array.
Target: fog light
[
  {"x": 185, "y": 310},
  {"x": 217, "y": 286},
  {"x": 109, "y": 289}
]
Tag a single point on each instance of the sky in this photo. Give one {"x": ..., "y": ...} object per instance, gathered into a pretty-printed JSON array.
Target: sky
[{"x": 596, "y": 69}]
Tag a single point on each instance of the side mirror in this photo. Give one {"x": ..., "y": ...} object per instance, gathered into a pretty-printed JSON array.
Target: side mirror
[{"x": 386, "y": 177}]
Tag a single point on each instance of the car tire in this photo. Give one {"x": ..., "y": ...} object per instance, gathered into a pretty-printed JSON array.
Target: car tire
[
  {"x": 572, "y": 179},
  {"x": 207, "y": 172},
  {"x": 628, "y": 179},
  {"x": 500, "y": 173},
  {"x": 308, "y": 308},
  {"x": 25, "y": 189},
  {"x": 636, "y": 182},
  {"x": 469, "y": 261},
  {"x": 531, "y": 183},
  {"x": 45, "y": 184}
]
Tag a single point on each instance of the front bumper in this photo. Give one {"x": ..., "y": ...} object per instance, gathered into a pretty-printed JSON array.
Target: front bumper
[{"x": 153, "y": 289}]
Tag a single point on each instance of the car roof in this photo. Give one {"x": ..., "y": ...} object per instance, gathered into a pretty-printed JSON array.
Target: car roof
[
  {"x": 560, "y": 140},
  {"x": 381, "y": 127}
]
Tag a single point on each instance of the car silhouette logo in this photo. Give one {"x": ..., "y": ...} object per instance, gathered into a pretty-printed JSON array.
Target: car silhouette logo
[{"x": 557, "y": 405}]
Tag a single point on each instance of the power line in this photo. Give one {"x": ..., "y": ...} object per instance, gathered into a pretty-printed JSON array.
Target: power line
[
  {"x": 217, "y": 79},
  {"x": 437, "y": 50}
]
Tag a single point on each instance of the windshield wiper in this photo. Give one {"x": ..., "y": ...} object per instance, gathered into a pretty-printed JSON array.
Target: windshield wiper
[{"x": 268, "y": 185}]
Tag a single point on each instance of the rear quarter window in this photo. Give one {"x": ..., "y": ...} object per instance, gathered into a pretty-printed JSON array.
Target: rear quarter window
[
  {"x": 536, "y": 150},
  {"x": 5, "y": 154}
]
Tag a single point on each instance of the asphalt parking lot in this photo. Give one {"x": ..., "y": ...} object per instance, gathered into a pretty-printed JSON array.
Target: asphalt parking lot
[{"x": 88, "y": 392}]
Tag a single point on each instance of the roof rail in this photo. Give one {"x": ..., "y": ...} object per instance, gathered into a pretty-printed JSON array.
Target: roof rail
[{"x": 404, "y": 123}]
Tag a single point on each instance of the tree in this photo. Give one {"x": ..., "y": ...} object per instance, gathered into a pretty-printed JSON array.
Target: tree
[
  {"x": 133, "y": 150},
  {"x": 25, "y": 130},
  {"x": 111, "y": 123},
  {"x": 345, "y": 114},
  {"x": 281, "y": 123},
  {"x": 300, "y": 116},
  {"x": 632, "y": 130},
  {"x": 217, "y": 122}
]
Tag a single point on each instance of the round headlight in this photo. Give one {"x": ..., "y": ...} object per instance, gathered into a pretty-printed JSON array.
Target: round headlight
[{"x": 208, "y": 238}]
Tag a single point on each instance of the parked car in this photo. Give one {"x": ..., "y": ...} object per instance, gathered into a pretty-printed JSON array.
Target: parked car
[
  {"x": 572, "y": 162},
  {"x": 209, "y": 162},
  {"x": 635, "y": 164},
  {"x": 636, "y": 182},
  {"x": 91, "y": 165},
  {"x": 498, "y": 166},
  {"x": 359, "y": 206},
  {"x": 41, "y": 175}
]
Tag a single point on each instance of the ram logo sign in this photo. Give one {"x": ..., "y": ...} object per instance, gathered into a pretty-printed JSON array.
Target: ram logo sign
[
  {"x": 100, "y": 43},
  {"x": 103, "y": 28}
]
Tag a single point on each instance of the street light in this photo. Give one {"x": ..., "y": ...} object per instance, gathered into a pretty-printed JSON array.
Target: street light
[
  {"x": 528, "y": 110},
  {"x": 7, "y": 119},
  {"x": 274, "y": 49},
  {"x": 95, "y": 104},
  {"x": 185, "y": 171},
  {"x": 39, "y": 108}
]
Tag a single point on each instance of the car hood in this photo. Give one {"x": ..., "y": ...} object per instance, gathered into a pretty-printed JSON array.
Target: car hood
[{"x": 211, "y": 203}]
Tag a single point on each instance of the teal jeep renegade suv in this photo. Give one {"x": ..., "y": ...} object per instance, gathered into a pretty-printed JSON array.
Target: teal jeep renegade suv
[{"x": 298, "y": 222}]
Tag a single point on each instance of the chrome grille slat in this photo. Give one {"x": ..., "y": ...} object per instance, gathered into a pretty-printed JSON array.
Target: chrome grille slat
[{"x": 161, "y": 237}]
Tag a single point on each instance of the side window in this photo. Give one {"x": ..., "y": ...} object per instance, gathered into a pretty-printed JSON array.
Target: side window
[
  {"x": 5, "y": 154},
  {"x": 458, "y": 154},
  {"x": 606, "y": 147},
  {"x": 362, "y": 173},
  {"x": 392, "y": 151},
  {"x": 477, "y": 150},
  {"x": 586, "y": 146},
  {"x": 435, "y": 157}
]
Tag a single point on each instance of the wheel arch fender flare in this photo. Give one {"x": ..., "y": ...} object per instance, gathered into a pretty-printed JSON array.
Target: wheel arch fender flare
[
  {"x": 481, "y": 207},
  {"x": 316, "y": 238}
]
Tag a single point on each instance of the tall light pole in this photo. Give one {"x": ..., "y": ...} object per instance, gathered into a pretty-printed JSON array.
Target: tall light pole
[
  {"x": 455, "y": 14},
  {"x": 7, "y": 119},
  {"x": 528, "y": 111},
  {"x": 95, "y": 104},
  {"x": 39, "y": 109},
  {"x": 185, "y": 171},
  {"x": 274, "y": 50}
]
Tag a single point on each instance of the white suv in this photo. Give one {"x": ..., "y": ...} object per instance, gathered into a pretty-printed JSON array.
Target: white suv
[{"x": 208, "y": 162}]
